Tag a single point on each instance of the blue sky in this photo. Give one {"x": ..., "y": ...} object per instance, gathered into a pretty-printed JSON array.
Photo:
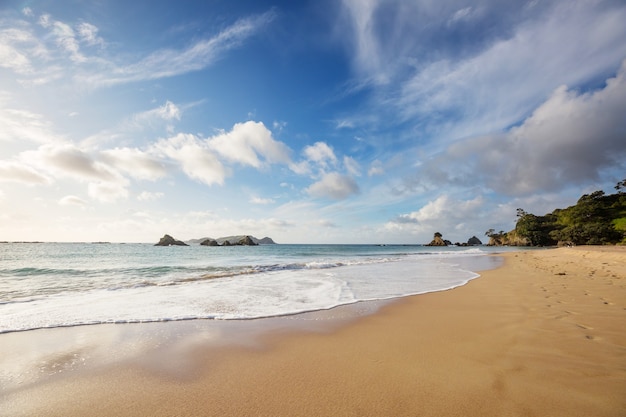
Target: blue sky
[{"x": 371, "y": 121}]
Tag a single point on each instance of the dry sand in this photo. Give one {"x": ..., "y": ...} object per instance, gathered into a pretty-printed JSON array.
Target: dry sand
[{"x": 544, "y": 335}]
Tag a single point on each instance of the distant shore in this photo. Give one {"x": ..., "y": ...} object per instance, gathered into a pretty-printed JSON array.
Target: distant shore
[{"x": 542, "y": 335}]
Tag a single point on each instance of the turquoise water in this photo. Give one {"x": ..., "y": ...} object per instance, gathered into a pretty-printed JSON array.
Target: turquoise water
[{"x": 44, "y": 285}]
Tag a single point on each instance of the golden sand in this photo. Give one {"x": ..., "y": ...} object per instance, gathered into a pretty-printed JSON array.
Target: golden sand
[{"x": 544, "y": 335}]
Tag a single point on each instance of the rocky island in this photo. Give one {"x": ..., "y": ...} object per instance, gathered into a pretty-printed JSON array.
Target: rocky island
[
  {"x": 438, "y": 240},
  {"x": 239, "y": 240},
  {"x": 168, "y": 240}
]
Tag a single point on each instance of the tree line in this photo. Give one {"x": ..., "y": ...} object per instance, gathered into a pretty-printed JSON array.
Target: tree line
[{"x": 595, "y": 219}]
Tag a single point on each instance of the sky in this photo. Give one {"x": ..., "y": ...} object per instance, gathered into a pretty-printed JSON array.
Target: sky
[{"x": 321, "y": 121}]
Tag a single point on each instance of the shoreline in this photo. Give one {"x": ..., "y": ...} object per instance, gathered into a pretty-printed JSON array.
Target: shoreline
[{"x": 541, "y": 335}]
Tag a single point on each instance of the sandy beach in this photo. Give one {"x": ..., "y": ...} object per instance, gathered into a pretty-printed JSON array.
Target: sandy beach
[{"x": 544, "y": 335}]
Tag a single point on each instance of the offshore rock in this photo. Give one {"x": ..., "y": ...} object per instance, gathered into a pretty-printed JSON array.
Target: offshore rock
[
  {"x": 209, "y": 242},
  {"x": 474, "y": 241},
  {"x": 247, "y": 241},
  {"x": 168, "y": 240},
  {"x": 437, "y": 241}
]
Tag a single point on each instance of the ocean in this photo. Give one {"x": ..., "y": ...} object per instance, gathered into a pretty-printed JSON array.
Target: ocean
[{"x": 48, "y": 285}]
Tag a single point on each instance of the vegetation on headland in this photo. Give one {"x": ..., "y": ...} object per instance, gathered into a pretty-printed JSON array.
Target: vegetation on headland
[{"x": 596, "y": 219}]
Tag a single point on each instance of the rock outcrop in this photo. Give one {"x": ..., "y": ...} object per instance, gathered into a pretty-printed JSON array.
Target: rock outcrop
[
  {"x": 209, "y": 242},
  {"x": 438, "y": 241},
  {"x": 168, "y": 240},
  {"x": 474, "y": 241},
  {"x": 508, "y": 239},
  {"x": 247, "y": 241},
  {"x": 265, "y": 241}
]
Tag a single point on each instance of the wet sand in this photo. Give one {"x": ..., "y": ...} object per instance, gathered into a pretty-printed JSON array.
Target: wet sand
[{"x": 544, "y": 335}]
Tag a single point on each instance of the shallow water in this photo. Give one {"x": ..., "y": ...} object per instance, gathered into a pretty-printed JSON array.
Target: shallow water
[{"x": 49, "y": 285}]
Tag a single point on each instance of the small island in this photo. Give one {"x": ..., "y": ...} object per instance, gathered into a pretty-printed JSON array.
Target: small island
[
  {"x": 240, "y": 240},
  {"x": 168, "y": 240}
]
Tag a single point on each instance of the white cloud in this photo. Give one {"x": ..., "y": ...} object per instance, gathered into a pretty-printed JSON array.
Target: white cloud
[
  {"x": 69, "y": 160},
  {"x": 326, "y": 223},
  {"x": 334, "y": 186},
  {"x": 496, "y": 87},
  {"x": 321, "y": 154},
  {"x": 279, "y": 126},
  {"x": 465, "y": 13},
  {"x": 170, "y": 62},
  {"x": 160, "y": 119},
  {"x": 247, "y": 142},
  {"x": 14, "y": 47},
  {"x": 261, "y": 201},
  {"x": 194, "y": 157},
  {"x": 89, "y": 34},
  {"x": 168, "y": 112},
  {"x": 44, "y": 20},
  {"x": 24, "y": 125},
  {"x": 369, "y": 57},
  {"x": 66, "y": 39},
  {"x": 376, "y": 168},
  {"x": 569, "y": 139},
  {"x": 344, "y": 124},
  {"x": 107, "y": 192},
  {"x": 454, "y": 218},
  {"x": 136, "y": 163},
  {"x": 27, "y": 11},
  {"x": 352, "y": 166},
  {"x": 19, "y": 49},
  {"x": 18, "y": 172},
  {"x": 72, "y": 200}
]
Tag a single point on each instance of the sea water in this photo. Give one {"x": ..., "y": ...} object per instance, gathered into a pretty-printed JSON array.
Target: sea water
[{"x": 47, "y": 285}]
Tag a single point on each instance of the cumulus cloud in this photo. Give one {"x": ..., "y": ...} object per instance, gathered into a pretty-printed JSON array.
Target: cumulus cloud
[
  {"x": 136, "y": 163},
  {"x": 442, "y": 208},
  {"x": 334, "y": 186},
  {"x": 250, "y": 143},
  {"x": 445, "y": 214},
  {"x": 194, "y": 157},
  {"x": 512, "y": 56},
  {"x": 69, "y": 160},
  {"x": 320, "y": 153},
  {"x": 569, "y": 139}
]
